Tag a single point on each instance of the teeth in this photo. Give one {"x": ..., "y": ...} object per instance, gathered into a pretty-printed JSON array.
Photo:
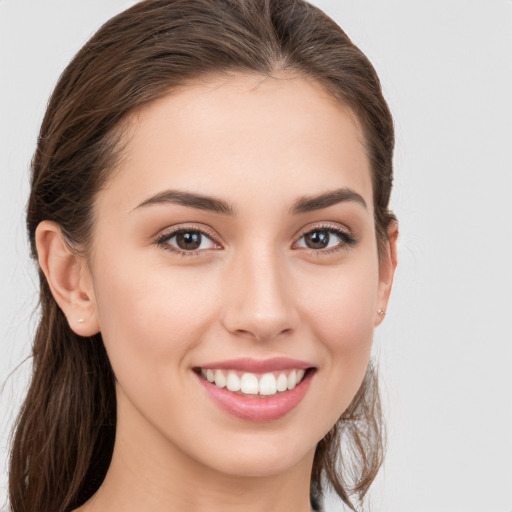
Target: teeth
[
  {"x": 220, "y": 380},
  {"x": 251, "y": 384},
  {"x": 282, "y": 382},
  {"x": 233, "y": 382},
  {"x": 268, "y": 384},
  {"x": 292, "y": 379}
]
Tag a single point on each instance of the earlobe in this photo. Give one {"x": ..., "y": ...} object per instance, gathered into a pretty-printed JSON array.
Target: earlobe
[
  {"x": 68, "y": 278},
  {"x": 387, "y": 268}
]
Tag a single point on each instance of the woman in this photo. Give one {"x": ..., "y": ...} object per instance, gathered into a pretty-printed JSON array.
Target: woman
[{"x": 209, "y": 212}]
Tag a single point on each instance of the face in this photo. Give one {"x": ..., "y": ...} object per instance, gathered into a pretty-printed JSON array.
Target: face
[{"x": 234, "y": 273}]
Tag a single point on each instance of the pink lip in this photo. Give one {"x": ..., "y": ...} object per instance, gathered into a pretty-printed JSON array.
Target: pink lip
[
  {"x": 255, "y": 408},
  {"x": 259, "y": 365}
]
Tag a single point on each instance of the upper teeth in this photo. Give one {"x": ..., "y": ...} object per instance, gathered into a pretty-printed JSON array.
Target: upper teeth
[{"x": 252, "y": 383}]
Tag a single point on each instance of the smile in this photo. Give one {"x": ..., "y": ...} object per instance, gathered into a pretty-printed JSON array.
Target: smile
[
  {"x": 256, "y": 390},
  {"x": 247, "y": 383}
]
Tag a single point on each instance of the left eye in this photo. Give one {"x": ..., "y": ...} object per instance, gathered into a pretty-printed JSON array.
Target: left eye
[
  {"x": 322, "y": 239},
  {"x": 189, "y": 240}
]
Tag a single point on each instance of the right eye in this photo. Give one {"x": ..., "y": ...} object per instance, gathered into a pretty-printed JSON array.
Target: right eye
[{"x": 187, "y": 242}]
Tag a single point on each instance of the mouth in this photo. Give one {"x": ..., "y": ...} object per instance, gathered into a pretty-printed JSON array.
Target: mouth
[
  {"x": 255, "y": 390},
  {"x": 253, "y": 384}
]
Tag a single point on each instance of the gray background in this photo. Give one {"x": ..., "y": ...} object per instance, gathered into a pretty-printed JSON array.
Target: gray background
[{"x": 445, "y": 349}]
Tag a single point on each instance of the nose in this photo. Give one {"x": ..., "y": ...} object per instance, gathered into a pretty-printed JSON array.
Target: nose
[{"x": 259, "y": 298}]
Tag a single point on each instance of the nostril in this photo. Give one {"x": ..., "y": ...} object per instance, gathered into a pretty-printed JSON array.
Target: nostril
[{"x": 262, "y": 314}]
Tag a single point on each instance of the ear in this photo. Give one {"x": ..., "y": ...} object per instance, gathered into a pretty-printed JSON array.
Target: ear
[
  {"x": 387, "y": 266},
  {"x": 68, "y": 277}
]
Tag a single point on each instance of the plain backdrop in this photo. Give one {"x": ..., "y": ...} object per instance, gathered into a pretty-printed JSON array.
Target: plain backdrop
[{"x": 445, "y": 349}]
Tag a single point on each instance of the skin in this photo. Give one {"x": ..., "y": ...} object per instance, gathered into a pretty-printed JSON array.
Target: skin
[{"x": 253, "y": 289}]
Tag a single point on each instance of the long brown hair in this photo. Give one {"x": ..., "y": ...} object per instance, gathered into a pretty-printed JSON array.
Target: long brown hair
[{"x": 65, "y": 432}]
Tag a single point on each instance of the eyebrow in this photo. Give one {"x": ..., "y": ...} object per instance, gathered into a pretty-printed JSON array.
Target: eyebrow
[
  {"x": 192, "y": 200},
  {"x": 203, "y": 202},
  {"x": 320, "y": 201}
]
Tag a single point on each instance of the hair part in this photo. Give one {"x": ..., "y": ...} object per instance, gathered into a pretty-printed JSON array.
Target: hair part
[{"x": 65, "y": 432}]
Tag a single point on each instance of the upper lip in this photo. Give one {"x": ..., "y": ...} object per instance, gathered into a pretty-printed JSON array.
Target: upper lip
[{"x": 248, "y": 364}]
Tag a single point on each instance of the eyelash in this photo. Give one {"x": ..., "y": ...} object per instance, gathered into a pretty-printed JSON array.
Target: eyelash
[
  {"x": 163, "y": 240},
  {"x": 345, "y": 237},
  {"x": 346, "y": 240}
]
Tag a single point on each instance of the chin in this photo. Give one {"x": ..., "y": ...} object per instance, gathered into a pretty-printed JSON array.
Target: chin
[{"x": 263, "y": 455}]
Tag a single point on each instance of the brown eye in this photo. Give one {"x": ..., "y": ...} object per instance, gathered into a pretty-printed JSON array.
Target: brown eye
[
  {"x": 189, "y": 240},
  {"x": 317, "y": 239},
  {"x": 325, "y": 240}
]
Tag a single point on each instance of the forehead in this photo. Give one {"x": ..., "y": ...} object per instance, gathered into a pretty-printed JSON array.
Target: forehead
[{"x": 242, "y": 136}]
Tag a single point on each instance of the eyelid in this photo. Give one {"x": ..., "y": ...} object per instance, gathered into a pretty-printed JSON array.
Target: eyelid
[
  {"x": 326, "y": 225},
  {"x": 337, "y": 228},
  {"x": 171, "y": 231}
]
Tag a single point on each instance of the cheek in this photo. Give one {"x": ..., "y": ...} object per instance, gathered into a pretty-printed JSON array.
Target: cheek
[
  {"x": 151, "y": 323},
  {"x": 342, "y": 308},
  {"x": 341, "y": 314},
  {"x": 150, "y": 316}
]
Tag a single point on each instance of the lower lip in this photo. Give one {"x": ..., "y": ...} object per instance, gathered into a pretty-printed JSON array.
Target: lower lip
[{"x": 255, "y": 408}]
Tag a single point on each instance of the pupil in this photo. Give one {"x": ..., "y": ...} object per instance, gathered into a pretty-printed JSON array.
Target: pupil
[
  {"x": 317, "y": 239},
  {"x": 188, "y": 240}
]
